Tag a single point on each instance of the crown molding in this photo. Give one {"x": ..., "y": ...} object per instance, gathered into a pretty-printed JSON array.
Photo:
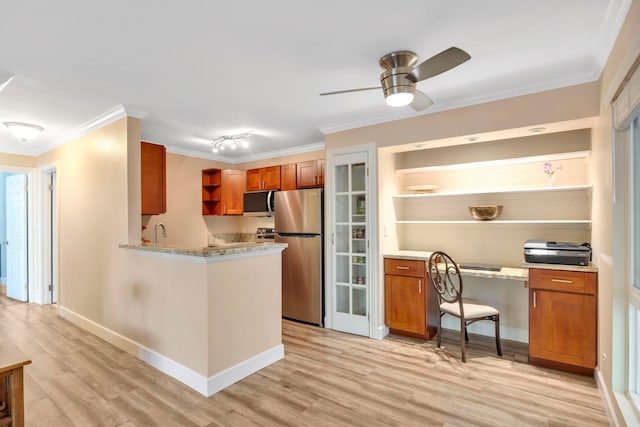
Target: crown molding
[
  {"x": 116, "y": 113},
  {"x": 610, "y": 30},
  {"x": 248, "y": 158}
]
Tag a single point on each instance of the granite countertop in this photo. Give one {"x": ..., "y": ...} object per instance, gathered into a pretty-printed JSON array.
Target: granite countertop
[
  {"x": 207, "y": 251},
  {"x": 591, "y": 268},
  {"x": 511, "y": 273}
]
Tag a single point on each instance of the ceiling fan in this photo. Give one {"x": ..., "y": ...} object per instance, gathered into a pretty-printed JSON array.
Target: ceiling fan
[{"x": 401, "y": 74}]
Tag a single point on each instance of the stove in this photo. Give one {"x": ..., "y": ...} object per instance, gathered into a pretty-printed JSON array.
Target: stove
[{"x": 265, "y": 234}]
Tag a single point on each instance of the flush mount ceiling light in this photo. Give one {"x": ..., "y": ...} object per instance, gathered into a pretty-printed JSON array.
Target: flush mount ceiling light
[
  {"x": 23, "y": 131},
  {"x": 231, "y": 141}
]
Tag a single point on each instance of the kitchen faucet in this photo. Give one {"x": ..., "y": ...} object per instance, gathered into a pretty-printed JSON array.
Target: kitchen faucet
[{"x": 155, "y": 232}]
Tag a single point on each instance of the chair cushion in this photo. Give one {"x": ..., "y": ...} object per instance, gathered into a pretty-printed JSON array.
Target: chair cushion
[{"x": 473, "y": 309}]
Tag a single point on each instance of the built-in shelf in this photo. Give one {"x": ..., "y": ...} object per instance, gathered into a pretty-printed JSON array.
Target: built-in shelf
[
  {"x": 499, "y": 162},
  {"x": 567, "y": 222},
  {"x": 491, "y": 191}
]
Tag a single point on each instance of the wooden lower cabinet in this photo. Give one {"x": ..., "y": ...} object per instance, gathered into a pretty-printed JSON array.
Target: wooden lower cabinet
[
  {"x": 410, "y": 302},
  {"x": 563, "y": 319}
]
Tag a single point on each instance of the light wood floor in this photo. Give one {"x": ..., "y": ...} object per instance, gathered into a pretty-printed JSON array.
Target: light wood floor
[{"x": 327, "y": 378}]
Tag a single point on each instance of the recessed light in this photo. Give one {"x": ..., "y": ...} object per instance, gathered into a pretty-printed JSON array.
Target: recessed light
[
  {"x": 419, "y": 145},
  {"x": 537, "y": 130},
  {"x": 472, "y": 138}
]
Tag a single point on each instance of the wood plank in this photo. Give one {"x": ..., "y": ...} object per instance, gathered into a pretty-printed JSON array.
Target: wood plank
[{"x": 326, "y": 378}]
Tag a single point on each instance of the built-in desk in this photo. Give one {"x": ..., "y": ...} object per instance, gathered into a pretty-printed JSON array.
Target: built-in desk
[
  {"x": 12, "y": 361},
  {"x": 508, "y": 273}
]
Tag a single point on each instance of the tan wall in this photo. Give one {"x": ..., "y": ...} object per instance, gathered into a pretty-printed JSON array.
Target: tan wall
[
  {"x": 17, "y": 160},
  {"x": 245, "y": 297},
  {"x": 534, "y": 145},
  {"x": 93, "y": 217},
  {"x": 568, "y": 103},
  {"x": 628, "y": 39}
]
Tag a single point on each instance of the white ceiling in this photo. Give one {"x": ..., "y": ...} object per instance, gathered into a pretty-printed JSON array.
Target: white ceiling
[{"x": 199, "y": 69}]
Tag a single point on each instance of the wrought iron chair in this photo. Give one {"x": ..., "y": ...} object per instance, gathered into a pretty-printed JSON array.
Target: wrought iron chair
[{"x": 445, "y": 276}]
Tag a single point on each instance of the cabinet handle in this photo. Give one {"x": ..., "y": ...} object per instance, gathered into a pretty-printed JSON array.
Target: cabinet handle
[
  {"x": 419, "y": 286},
  {"x": 224, "y": 210},
  {"x": 561, "y": 281},
  {"x": 400, "y": 267},
  {"x": 534, "y": 299}
]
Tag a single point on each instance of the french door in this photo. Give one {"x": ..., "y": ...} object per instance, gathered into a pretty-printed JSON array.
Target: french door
[{"x": 350, "y": 250}]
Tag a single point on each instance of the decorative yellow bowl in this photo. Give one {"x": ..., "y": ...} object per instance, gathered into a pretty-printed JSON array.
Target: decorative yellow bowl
[{"x": 486, "y": 213}]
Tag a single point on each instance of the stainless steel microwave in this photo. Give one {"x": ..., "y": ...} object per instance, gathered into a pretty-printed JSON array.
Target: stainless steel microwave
[{"x": 259, "y": 203}]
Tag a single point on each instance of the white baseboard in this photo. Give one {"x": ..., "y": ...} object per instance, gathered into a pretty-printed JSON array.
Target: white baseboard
[
  {"x": 380, "y": 332},
  {"x": 224, "y": 379},
  {"x": 604, "y": 391},
  {"x": 201, "y": 384}
]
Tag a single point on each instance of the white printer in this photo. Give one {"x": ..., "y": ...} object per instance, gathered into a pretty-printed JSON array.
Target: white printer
[{"x": 547, "y": 252}]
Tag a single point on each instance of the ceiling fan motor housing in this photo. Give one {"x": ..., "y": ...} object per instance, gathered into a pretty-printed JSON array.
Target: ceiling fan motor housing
[{"x": 396, "y": 66}]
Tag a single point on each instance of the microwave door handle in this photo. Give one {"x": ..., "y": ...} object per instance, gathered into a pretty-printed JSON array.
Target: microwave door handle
[{"x": 269, "y": 202}]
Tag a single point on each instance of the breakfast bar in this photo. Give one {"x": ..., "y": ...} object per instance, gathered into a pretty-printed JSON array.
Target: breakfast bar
[{"x": 206, "y": 316}]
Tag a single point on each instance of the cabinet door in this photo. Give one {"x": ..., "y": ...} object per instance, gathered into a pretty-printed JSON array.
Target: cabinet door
[
  {"x": 233, "y": 185},
  {"x": 254, "y": 180},
  {"x": 288, "y": 177},
  {"x": 153, "y": 178},
  {"x": 306, "y": 172},
  {"x": 320, "y": 172},
  {"x": 405, "y": 303},
  {"x": 271, "y": 178},
  {"x": 562, "y": 327}
]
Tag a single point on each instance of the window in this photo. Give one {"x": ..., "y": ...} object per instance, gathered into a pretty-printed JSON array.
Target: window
[
  {"x": 625, "y": 361},
  {"x": 634, "y": 282}
]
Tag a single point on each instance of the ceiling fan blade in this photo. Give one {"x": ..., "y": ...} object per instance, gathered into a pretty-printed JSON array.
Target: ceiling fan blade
[
  {"x": 350, "y": 90},
  {"x": 420, "y": 101},
  {"x": 437, "y": 64}
]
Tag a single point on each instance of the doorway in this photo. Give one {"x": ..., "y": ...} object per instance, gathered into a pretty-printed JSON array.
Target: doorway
[{"x": 14, "y": 247}]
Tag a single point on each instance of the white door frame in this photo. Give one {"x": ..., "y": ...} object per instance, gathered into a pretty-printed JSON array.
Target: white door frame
[
  {"x": 376, "y": 318},
  {"x": 30, "y": 222},
  {"x": 43, "y": 233}
]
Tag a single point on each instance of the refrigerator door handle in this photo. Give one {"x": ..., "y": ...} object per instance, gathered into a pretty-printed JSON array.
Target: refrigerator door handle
[{"x": 332, "y": 242}]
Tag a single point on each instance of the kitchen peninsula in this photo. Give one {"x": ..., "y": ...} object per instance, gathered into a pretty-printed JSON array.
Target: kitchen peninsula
[{"x": 206, "y": 316}]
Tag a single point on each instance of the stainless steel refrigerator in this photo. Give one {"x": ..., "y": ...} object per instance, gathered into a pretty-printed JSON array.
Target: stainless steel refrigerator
[{"x": 299, "y": 223}]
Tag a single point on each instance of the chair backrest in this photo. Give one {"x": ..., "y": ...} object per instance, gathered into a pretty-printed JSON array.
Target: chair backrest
[{"x": 445, "y": 276}]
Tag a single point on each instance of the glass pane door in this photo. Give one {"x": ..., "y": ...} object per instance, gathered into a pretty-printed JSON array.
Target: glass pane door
[{"x": 350, "y": 249}]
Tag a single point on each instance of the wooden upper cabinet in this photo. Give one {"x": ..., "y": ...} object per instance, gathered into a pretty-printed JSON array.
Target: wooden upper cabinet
[
  {"x": 232, "y": 188},
  {"x": 263, "y": 178},
  {"x": 310, "y": 174},
  {"x": 153, "y": 178},
  {"x": 562, "y": 319},
  {"x": 288, "y": 177}
]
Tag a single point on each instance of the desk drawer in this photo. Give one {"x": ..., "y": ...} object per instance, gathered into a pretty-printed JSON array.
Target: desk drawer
[
  {"x": 563, "y": 281},
  {"x": 404, "y": 267}
]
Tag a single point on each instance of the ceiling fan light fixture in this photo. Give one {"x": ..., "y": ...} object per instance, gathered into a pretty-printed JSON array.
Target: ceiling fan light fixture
[
  {"x": 23, "y": 131},
  {"x": 399, "y": 99}
]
